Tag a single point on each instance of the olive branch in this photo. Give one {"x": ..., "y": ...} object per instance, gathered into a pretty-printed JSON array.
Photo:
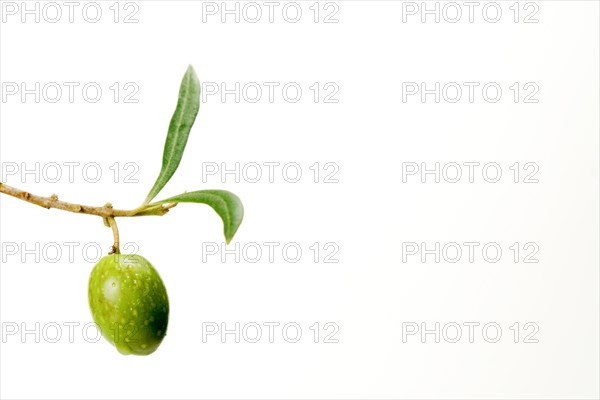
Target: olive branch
[{"x": 226, "y": 204}]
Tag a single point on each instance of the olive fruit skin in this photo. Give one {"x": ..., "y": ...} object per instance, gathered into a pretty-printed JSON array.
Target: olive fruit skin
[{"x": 129, "y": 303}]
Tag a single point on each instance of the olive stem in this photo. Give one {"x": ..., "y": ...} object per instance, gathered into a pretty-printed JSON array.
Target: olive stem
[
  {"x": 115, "y": 230},
  {"x": 105, "y": 212}
]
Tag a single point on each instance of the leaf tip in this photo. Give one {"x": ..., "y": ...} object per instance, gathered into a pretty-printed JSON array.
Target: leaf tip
[{"x": 191, "y": 71}]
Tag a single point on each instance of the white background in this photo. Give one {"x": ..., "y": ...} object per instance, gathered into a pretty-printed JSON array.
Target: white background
[{"x": 369, "y": 133}]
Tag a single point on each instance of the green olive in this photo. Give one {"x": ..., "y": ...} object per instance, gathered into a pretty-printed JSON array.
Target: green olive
[{"x": 129, "y": 303}]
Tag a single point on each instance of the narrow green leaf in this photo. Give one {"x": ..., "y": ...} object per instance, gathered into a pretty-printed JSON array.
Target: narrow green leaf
[
  {"x": 226, "y": 204},
  {"x": 187, "y": 108}
]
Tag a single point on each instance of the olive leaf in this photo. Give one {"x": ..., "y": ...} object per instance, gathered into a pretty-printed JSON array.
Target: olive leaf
[
  {"x": 187, "y": 108},
  {"x": 226, "y": 204}
]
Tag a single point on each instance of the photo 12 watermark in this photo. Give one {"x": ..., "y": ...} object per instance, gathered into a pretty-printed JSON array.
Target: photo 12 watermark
[
  {"x": 270, "y": 172},
  {"x": 288, "y": 92},
  {"x": 70, "y": 12},
  {"x": 469, "y": 332},
  {"x": 59, "y": 252},
  {"x": 471, "y": 252},
  {"x": 470, "y": 172},
  {"x": 50, "y": 332},
  {"x": 269, "y": 12},
  {"x": 70, "y": 92},
  {"x": 452, "y": 12},
  {"x": 69, "y": 172},
  {"x": 269, "y": 332},
  {"x": 270, "y": 252},
  {"x": 470, "y": 92}
]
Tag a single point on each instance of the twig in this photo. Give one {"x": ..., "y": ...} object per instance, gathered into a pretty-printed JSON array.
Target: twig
[
  {"x": 115, "y": 247},
  {"x": 105, "y": 212}
]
